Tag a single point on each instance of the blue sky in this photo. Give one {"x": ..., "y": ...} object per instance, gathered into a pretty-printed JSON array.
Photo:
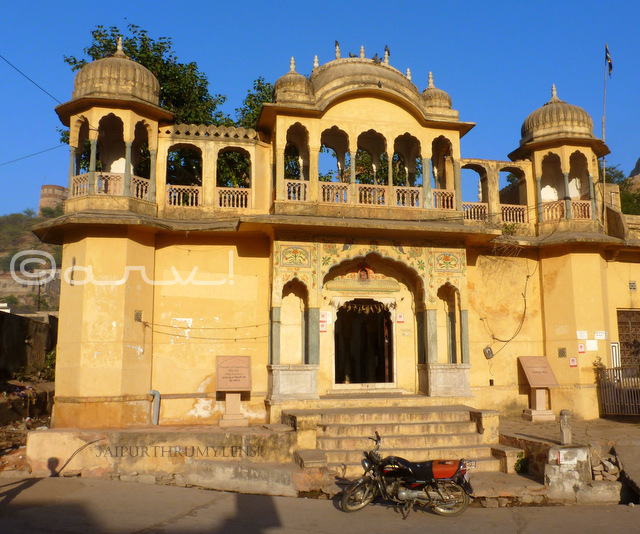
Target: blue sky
[{"x": 497, "y": 60}]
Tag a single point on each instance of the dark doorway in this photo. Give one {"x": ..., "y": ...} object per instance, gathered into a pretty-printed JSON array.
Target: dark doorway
[{"x": 364, "y": 348}]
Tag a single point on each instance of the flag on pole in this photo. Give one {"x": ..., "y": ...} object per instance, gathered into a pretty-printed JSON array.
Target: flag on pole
[{"x": 607, "y": 58}]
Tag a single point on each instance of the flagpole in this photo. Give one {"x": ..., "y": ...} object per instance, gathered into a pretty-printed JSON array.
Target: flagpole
[{"x": 604, "y": 112}]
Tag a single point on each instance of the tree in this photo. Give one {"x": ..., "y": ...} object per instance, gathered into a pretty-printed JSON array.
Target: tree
[
  {"x": 184, "y": 90},
  {"x": 247, "y": 115},
  {"x": 629, "y": 192}
]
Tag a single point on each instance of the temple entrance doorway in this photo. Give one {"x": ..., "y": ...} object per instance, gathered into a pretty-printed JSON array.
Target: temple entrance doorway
[{"x": 363, "y": 344}]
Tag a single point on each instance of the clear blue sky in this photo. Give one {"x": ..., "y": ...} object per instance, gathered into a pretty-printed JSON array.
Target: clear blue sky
[{"x": 497, "y": 60}]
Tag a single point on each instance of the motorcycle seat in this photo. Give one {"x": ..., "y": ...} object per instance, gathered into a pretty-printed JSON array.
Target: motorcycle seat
[{"x": 434, "y": 469}]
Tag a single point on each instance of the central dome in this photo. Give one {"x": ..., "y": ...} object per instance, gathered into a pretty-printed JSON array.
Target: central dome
[
  {"x": 556, "y": 119},
  {"x": 117, "y": 77}
]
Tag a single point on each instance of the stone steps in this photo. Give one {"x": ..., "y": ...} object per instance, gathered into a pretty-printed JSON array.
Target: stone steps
[
  {"x": 395, "y": 428},
  {"x": 396, "y": 442},
  {"x": 414, "y": 431}
]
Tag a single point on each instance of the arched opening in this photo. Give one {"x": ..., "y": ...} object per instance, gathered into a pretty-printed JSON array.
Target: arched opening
[
  {"x": 293, "y": 324},
  {"x": 407, "y": 162},
  {"x": 363, "y": 344},
  {"x": 475, "y": 201},
  {"x": 110, "y": 158},
  {"x": 448, "y": 325},
  {"x": 334, "y": 159},
  {"x": 372, "y": 169},
  {"x": 513, "y": 195},
  {"x": 184, "y": 176},
  {"x": 296, "y": 153},
  {"x": 579, "y": 190},
  {"x": 140, "y": 156},
  {"x": 233, "y": 178},
  {"x": 552, "y": 188},
  {"x": 443, "y": 179}
]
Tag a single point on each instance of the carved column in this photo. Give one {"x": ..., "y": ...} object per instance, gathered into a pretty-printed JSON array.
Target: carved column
[
  {"x": 539, "y": 203},
  {"x": 464, "y": 334},
  {"x": 592, "y": 197},
  {"x": 275, "y": 336},
  {"x": 152, "y": 175},
  {"x": 457, "y": 184},
  {"x": 427, "y": 194},
  {"x": 312, "y": 192},
  {"x": 313, "y": 338},
  {"x": 352, "y": 178},
  {"x": 72, "y": 169},
  {"x": 92, "y": 166},
  {"x": 567, "y": 198},
  {"x": 127, "y": 170}
]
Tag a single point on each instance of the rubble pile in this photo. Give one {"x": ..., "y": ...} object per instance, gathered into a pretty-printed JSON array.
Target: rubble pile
[{"x": 606, "y": 468}]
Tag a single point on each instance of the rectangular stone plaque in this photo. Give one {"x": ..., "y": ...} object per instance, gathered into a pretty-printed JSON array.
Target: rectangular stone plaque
[
  {"x": 538, "y": 371},
  {"x": 233, "y": 373}
]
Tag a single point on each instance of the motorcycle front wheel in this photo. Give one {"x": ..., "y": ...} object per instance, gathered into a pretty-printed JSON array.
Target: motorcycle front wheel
[
  {"x": 358, "y": 495},
  {"x": 455, "y": 502}
]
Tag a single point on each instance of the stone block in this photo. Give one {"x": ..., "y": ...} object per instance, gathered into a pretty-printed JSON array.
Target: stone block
[{"x": 599, "y": 493}]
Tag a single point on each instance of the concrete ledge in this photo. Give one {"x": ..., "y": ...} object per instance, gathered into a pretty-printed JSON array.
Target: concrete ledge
[{"x": 508, "y": 457}]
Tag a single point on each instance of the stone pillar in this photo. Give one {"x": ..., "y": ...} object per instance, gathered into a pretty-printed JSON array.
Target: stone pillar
[
  {"x": 280, "y": 189},
  {"x": 567, "y": 198},
  {"x": 592, "y": 197},
  {"x": 72, "y": 169},
  {"x": 427, "y": 195},
  {"x": 432, "y": 336},
  {"x": 313, "y": 337},
  {"x": 539, "y": 199},
  {"x": 275, "y": 335},
  {"x": 391, "y": 201},
  {"x": 352, "y": 178},
  {"x": 92, "y": 166},
  {"x": 152, "y": 175},
  {"x": 127, "y": 170},
  {"x": 313, "y": 185},
  {"x": 422, "y": 336},
  {"x": 304, "y": 321},
  {"x": 464, "y": 334},
  {"x": 457, "y": 184}
]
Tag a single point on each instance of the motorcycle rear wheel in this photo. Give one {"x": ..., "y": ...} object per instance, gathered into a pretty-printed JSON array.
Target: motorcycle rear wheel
[
  {"x": 358, "y": 495},
  {"x": 456, "y": 503}
]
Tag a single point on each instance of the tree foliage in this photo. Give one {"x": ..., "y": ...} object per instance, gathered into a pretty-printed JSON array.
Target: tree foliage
[
  {"x": 247, "y": 115},
  {"x": 629, "y": 189},
  {"x": 184, "y": 90}
]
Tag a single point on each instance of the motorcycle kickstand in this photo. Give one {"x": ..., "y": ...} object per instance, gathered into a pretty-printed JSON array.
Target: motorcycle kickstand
[{"x": 405, "y": 508}]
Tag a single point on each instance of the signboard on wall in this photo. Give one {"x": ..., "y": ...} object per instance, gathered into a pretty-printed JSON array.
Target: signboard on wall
[
  {"x": 233, "y": 373},
  {"x": 538, "y": 371}
]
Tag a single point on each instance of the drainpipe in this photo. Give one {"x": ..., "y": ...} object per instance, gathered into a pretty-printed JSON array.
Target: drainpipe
[{"x": 155, "y": 418}]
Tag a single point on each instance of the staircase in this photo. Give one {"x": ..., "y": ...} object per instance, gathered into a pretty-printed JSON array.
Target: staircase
[{"x": 408, "y": 428}]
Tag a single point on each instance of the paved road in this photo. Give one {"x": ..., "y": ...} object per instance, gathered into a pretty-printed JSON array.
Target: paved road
[{"x": 98, "y": 506}]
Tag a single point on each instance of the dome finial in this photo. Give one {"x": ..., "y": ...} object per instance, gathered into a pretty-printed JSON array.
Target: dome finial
[
  {"x": 409, "y": 74},
  {"x": 431, "y": 86},
  {"x": 292, "y": 65},
  {"x": 337, "y": 50},
  {"x": 362, "y": 52},
  {"x": 316, "y": 63},
  {"x": 119, "y": 50},
  {"x": 554, "y": 94}
]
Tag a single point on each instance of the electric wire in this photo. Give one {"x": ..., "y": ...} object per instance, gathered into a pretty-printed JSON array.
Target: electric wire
[{"x": 27, "y": 77}]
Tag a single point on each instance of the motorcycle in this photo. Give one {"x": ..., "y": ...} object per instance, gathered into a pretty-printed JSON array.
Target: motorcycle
[{"x": 441, "y": 485}]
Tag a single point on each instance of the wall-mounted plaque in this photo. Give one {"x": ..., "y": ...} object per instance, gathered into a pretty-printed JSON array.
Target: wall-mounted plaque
[
  {"x": 233, "y": 373},
  {"x": 538, "y": 371}
]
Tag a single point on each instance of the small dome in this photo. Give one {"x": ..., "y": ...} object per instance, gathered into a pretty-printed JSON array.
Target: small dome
[
  {"x": 117, "y": 77},
  {"x": 434, "y": 97},
  {"x": 293, "y": 87},
  {"x": 556, "y": 119}
]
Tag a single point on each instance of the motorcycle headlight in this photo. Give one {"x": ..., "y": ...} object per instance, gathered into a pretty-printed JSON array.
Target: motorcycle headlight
[{"x": 366, "y": 464}]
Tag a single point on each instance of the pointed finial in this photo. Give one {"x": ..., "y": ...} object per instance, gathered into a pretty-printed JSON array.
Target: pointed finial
[
  {"x": 409, "y": 74},
  {"x": 119, "y": 50},
  {"x": 316, "y": 63},
  {"x": 431, "y": 86},
  {"x": 554, "y": 94},
  {"x": 387, "y": 53},
  {"x": 362, "y": 52},
  {"x": 337, "y": 50},
  {"x": 292, "y": 65}
]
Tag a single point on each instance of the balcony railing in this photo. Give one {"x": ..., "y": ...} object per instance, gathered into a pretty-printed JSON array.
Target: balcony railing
[
  {"x": 234, "y": 197},
  {"x": 184, "y": 195},
  {"x": 408, "y": 197},
  {"x": 111, "y": 184},
  {"x": 296, "y": 190},
  {"x": 334, "y": 193},
  {"x": 553, "y": 211},
  {"x": 475, "y": 211},
  {"x": 581, "y": 209},
  {"x": 444, "y": 199},
  {"x": 512, "y": 213},
  {"x": 372, "y": 195}
]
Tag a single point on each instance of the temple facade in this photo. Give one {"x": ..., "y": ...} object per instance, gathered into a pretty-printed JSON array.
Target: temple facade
[{"x": 330, "y": 252}]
